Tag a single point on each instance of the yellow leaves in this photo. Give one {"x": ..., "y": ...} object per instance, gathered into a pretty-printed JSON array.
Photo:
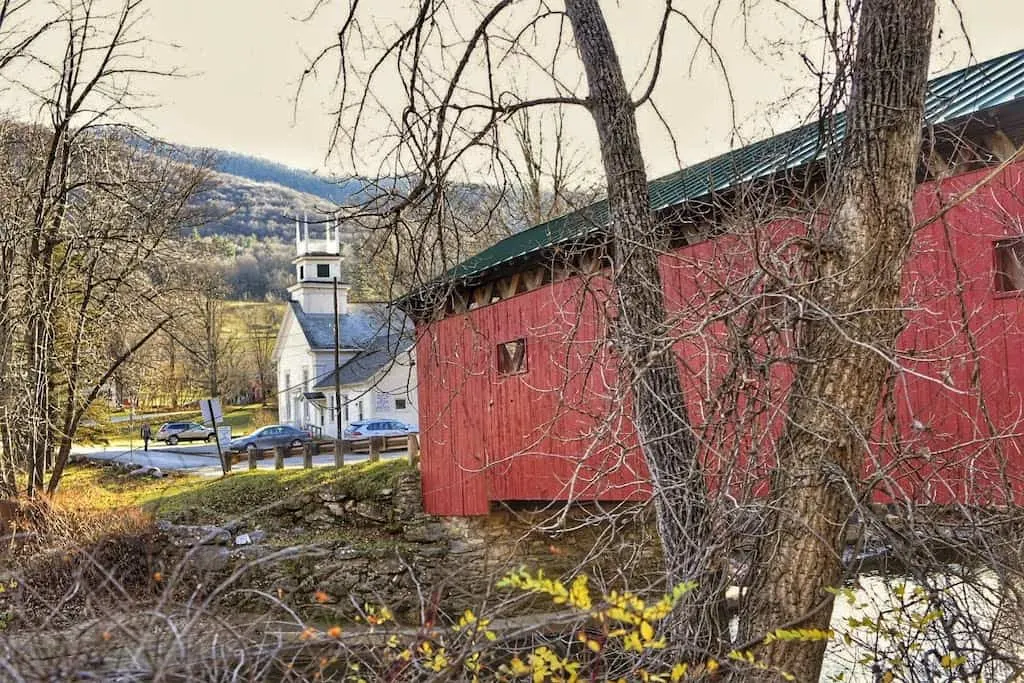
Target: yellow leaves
[
  {"x": 376, "y": 617},
  {"x": 591, "y": 644},
  {"x": 439, "y": 662},
  {"x": 798, "y": 634},
  {"x": 525, "y": 581},
  {"x": 579, "y": 593},
  {"x": 546, "y": 665},
  {"x": 467, "y": 619},
  {"x": 951, "y": 661},
  {"x": 518, "y": 668},
  {"x": 678, "y": 672},
  {"x": 470, "y": 624}
]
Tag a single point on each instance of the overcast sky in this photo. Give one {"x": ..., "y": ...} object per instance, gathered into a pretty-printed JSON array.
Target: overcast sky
[{"x": 241, "y": 60}]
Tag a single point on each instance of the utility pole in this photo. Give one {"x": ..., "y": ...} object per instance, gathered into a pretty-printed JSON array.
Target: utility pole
[
  {"x": 225, "y": 462},
  {"x": 338, "y": 452}
]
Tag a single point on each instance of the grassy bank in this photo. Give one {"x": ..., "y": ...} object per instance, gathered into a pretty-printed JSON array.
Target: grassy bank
[{"x": 89, "y": 490}]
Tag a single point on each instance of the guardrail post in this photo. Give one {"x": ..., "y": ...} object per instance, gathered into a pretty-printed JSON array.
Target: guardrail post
[
  {"x": 414, "y": 449},
  {"x": 279, "y": 457},
  {"x": 308, "y": 449},
  {"x": 375, "y": 444},
  {"x": 253, "y": 454},
  {"x": 339, "y": 452}
]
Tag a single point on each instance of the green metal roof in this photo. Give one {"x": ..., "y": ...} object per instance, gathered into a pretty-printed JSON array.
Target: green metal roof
[{"x": 949, "y": 97}]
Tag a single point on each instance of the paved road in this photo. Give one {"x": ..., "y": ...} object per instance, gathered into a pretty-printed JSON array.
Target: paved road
[{"x": 202, "y": 459}]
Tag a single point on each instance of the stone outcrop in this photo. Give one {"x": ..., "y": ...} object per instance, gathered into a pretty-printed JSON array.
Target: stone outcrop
[{"x": 323, "y": 547}]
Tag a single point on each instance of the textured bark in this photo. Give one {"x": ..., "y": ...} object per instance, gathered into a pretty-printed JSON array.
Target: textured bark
[
  {"x": 856, "y": 284},
  {"x": 642, "y": 338}
]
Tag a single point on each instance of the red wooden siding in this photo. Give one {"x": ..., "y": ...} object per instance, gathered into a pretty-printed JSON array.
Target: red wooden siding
[{"x": 952, "y": 431}]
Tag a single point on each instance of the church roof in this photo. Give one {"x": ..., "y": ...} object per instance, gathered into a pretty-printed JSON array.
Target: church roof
[
  {"x": 364, "y": 365},
  {"x": 363, "y": 326}
]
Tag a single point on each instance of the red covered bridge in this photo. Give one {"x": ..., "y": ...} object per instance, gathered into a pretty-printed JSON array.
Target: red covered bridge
[{"x": 518, "y": 396}]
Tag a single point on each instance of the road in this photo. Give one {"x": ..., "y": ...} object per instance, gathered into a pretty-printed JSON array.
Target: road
[{"x": 202, "y": 458}]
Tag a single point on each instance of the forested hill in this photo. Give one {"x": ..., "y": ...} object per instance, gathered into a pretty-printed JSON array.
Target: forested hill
[
  {"x": 264, "y": 171},
  {"x": 256, "y": 203}
]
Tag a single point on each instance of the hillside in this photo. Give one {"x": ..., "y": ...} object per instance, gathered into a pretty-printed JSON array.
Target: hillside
[{"x": 304, "y": 182}]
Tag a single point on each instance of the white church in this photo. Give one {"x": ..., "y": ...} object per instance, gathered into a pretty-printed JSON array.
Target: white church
[{"x": 376, "y": 371}]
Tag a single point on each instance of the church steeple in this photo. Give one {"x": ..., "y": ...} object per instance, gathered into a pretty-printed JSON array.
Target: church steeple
[{"x": 317, "y": 263}]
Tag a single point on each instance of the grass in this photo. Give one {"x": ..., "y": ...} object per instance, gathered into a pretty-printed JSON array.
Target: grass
[
  {"x": 241, "y": 419},
  {"x": 99, "y": 490}
]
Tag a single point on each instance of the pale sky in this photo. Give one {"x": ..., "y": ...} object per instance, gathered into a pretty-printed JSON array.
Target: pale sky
[{"x": 241, "y": 60}]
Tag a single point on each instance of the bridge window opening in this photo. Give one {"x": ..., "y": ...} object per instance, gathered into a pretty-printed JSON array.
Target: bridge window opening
[
  {"x": 512, "y": 357},
  {"x": 1009, "y": 259}
]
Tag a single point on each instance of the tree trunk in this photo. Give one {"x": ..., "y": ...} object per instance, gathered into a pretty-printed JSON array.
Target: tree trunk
[
  {"x": 856, "y": 276},
  {"x": 40, "y": 344},
  {"x": 642, "y": 338}
]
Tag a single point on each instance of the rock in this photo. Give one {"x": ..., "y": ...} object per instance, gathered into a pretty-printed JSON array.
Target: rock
[
  {"x": 319, "y": 517},
  {"x": 187, "y": 536},
  {"x": 336, "y": 509},
  {"x": 429, "y": 532},
  {"x": 332, "y": 496},
  {"x": 371, "y": 511},
  {"x": 391, "y": 567},
  {"x": 234, "y": 526},
  {"x": 207, "y": 558},
  {"x": 459, "y": 546},
  {"x": 251, "y": 553},
  {"x": 250, "y": 538},
  {"x": 347, "y": 554}
]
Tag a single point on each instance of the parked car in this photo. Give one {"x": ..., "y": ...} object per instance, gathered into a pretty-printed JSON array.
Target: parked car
[
  {"x": 364, "y": 429},
  {"x": 173, "y": 432},
  {"x": 268, "y": 437}
]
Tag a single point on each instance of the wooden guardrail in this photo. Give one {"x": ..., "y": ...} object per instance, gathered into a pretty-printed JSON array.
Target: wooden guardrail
[{"x": 372, "y": 446}]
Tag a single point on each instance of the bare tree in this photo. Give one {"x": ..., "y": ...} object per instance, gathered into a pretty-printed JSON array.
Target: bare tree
[
  {"x": 855, "y": 276},
  {"x": 261, "y": 335},
  {"x": 95, "y": 206}
]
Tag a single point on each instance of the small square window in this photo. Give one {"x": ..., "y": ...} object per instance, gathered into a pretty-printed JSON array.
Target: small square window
[
  {"x": 323, "y": 270},
  {"x": 1010, "y": 265},
  {"x": 512, "y": 357},
  {"x": 399, "y": 404}
]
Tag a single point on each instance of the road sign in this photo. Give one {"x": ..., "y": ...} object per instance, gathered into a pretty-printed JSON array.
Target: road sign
[
  {"x": 212, "y": 410},
  {"x": 212, "y": 413}
]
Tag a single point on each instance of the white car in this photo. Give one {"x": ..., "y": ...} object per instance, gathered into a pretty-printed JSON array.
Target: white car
[
  {"x": 364, "y": 429},
  {"x": 173, "y": 432}
]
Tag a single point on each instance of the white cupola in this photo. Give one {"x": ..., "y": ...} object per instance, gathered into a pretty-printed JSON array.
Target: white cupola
[{"x": 317, "y": 264}]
